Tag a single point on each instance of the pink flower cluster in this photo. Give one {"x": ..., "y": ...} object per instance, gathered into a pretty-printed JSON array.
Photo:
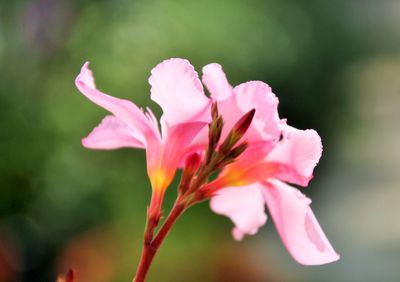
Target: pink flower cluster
[{"x": 277, "y": 154}]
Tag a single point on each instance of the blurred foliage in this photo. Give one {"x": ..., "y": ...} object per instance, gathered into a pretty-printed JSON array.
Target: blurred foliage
[{"x": 57, "y": 198}]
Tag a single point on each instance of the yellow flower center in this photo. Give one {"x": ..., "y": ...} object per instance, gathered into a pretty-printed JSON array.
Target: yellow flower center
[{"x": 159, "y": 180}]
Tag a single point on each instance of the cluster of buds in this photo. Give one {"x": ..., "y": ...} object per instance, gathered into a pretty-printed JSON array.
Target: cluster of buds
[{"x": 218, "y": 155}]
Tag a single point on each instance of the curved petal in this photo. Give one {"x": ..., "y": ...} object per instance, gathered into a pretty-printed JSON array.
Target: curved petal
[
  {"x": 163, "y": 161},
  {"x": 244, "y": 206},
  {"x": 124, "y": 110},
  {"x": 298, "y": 152},
  {"x": 215, "y": 80},
  {"x": 199, "y": 142},
  {"x": 297, "y": 225},
  {"x": 178, "y": 139},
  {"x": 258, "y": 95},
  {"x": 175, "y": 86},
  {"x": 253, "y": 156},
  {"x": 247, "y": 169},
  {"x": 112, "y": 133}
]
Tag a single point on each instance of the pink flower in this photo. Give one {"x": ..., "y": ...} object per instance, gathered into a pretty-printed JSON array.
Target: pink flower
[
  {"x": 175, "y": 86},
  {"x": 277, "y": 154}
]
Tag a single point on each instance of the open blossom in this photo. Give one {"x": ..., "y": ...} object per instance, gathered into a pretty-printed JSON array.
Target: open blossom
[
  {"x": 277, "y": 153},
  {"x": 175, "y": 86}
]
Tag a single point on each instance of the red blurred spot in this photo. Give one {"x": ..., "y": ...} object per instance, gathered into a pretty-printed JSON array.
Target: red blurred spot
[{"x": 69, "y": 277}]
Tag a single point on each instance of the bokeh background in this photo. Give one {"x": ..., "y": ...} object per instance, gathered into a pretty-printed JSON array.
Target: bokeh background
[{"x": 335, "y": 65}]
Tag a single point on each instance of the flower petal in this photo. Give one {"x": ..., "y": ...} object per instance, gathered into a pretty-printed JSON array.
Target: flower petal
[
  {"x": 112, "y": 133},
  {"x": 124, "y": 110},
  {"x": 298, "y": 152},
  {"x": 175, "y": 86},
  {"x": 163, "y": 161},
  {"x": 244, "y": 206},
  {"x": 258, "y": 95},
  {"x": 247, "y": 169},
  {"x": 215, "y": 80},
  {"x": 297, "y": 225},
  {"x": 266, "y": 125}
]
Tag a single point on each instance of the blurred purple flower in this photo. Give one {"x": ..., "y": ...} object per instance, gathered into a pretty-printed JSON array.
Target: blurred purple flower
[{"x": 46, "y": 24}]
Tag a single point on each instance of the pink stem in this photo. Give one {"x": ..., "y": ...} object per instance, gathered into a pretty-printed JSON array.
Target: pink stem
[{"x": 151, "y": 247}]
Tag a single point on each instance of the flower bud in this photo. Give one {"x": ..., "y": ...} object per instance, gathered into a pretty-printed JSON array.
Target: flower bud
[
  {"x": 237, "y": 151},
  {"x": 214, "y": 111},
  {"x": 192, "y": 164},
  {"x": 232, "y": 155},
  {"x": 237, "y": 132},
  {"x": 214, "y": 132}
]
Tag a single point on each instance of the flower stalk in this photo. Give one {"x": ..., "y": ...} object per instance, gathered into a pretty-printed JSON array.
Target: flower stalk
[{"x": 151, "y": 246}]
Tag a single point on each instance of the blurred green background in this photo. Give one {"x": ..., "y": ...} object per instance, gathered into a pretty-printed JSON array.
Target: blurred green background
[{"x": 335, "y": 65}]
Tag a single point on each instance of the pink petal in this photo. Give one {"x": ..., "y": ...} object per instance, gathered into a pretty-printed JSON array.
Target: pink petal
[
  {"x": 215, "y": 80},
  {"x": 167, "y": 157},
  {"x": 124, "y": 110},
  {"x": 299, "y": 152},
  {"x": 258, "y": 95},
  {"x": 178, "y": 139},
  {"x": 266, "y": 125},
  {"x": 175, "y": 86},
  {"x": 244, "y": 206},
  {"x": 230, "y": 113},
  {"x": 247, "y": 169},
  {"x": 253, "y": 156},
  {"x": 200, "y": 142},
  {"x": 112, "y": 133},
  {"x": 297, "y": 225}
]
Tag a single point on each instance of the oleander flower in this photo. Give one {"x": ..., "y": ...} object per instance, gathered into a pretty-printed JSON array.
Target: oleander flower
[
  {"x": 175, "y": 86},
  {"x": 273, "y": 154},
  {"x": 277, "y": 153}
]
